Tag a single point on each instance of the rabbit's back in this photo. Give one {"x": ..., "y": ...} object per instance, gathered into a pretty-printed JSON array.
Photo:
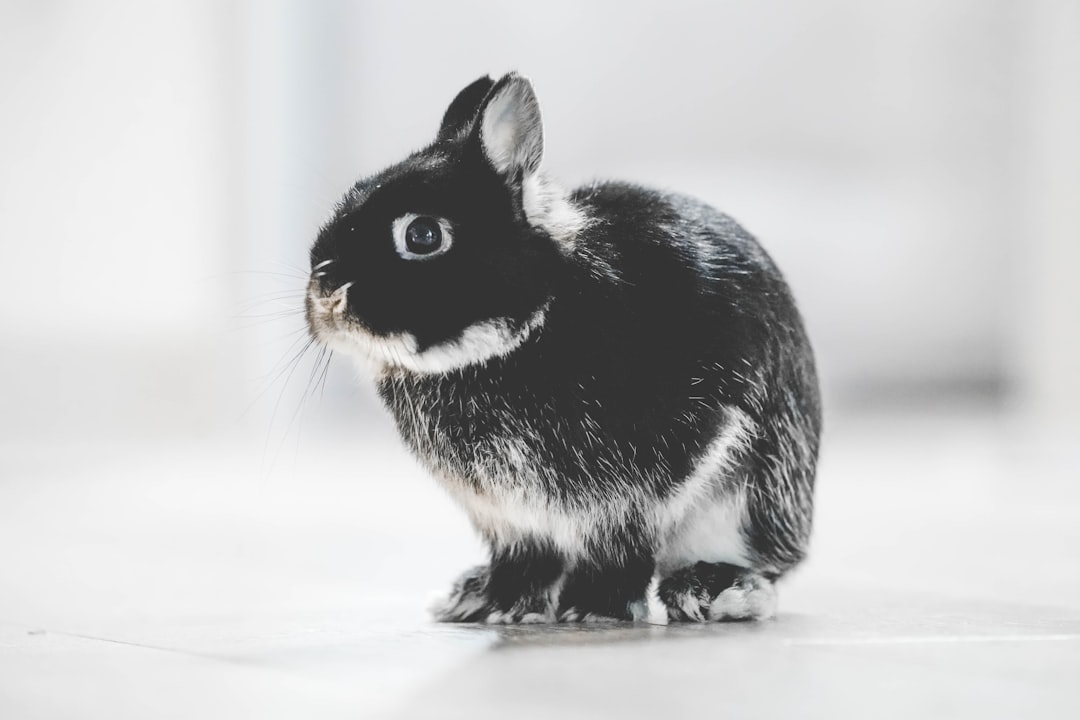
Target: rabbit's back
[{"x": 732, "y": 391}]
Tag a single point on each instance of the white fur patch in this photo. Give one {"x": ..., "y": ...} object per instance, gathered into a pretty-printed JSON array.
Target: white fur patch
[
  {"x": 478, "y": 343},
  {"x": 573, "y": 615},
  {"x": 752, "y": 598},
  {"x": 640, "y": 610},
  {"x": 703, "y": 521},
  {"x": 548, "y": 207},
  {"x": 509, "y": 618},
  {"x": 510, "y": 514}
]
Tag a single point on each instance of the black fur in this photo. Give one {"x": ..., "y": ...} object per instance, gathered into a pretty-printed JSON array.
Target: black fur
[
  {"x": 463, "y": 110},
  {"x": 664, "y": 324}
]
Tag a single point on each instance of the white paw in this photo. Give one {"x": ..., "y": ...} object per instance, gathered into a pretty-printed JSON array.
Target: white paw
[
  {"x": 573, "y": 615},
  {"x": 640, "y": 610},
  {"x": 690, "y": 605},
  {"x": 751, "y": 598},
  {"x": 513, "y": 617}
]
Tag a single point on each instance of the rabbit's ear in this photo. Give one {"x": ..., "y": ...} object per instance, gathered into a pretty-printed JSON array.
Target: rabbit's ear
[
  {"x": 463, "y": 109},
  {"x": 509, "y": 128}
]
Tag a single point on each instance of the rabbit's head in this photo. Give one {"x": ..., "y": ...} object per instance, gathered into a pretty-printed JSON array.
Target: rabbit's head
[{"x": 450, "y": 257}]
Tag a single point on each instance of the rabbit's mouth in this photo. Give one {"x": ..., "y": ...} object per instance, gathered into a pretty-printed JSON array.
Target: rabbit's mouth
[{"x": 330, "y": 322}]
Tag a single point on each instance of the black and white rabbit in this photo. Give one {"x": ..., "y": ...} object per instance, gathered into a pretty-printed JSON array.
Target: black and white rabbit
[{"x": 613, "y": 382}]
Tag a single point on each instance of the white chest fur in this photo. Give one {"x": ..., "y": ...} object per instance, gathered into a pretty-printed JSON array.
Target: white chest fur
[
  {"x": 503, "y": 493},
  {"x": 506, "y": 493}
]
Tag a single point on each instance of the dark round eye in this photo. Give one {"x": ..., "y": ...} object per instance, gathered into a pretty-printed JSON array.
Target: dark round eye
[{"x": 423, "y": 236}]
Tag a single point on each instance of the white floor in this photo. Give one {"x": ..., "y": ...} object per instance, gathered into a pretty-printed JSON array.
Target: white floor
[{"x": 184, "y": 580}]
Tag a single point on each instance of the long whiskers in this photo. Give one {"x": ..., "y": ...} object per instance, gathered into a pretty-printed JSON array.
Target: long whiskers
[
  {"x": 318, "y": 368},
  {"x": 287, "y": 308}
]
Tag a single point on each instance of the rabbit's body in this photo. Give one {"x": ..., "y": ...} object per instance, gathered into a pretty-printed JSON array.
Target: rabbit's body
[{"x": 648, "y": 406}]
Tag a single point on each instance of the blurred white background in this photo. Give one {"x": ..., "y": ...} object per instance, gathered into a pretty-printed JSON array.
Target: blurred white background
[{"x": 913, "y": 166}]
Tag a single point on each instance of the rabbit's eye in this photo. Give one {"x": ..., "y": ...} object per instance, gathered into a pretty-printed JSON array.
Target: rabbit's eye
[
  {"x": 418, "y": 237},
  {"x": 423, "y": 236}
]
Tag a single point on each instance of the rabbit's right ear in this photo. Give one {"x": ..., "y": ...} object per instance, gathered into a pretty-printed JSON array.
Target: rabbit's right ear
[
  {"x": 509, "y": 130},
  {"x": 463, "y": 109}
]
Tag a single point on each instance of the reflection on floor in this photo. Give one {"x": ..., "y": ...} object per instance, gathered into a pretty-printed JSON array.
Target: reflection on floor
[{"x": 182, "y": 581}]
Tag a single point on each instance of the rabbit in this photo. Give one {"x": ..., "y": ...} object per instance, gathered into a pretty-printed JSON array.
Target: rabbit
[{"x": 613, "y": 382}]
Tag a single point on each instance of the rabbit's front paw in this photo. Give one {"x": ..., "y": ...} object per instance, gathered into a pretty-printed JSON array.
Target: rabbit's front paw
[
  {"x": 530, "y": 611},
  {"x": 474, "y": 599},
  {"x": 752, "y": 597},
  {"x": 717, "y": 592},
  {"x": 577, "y": 615},
  {"x": 468, "y": 600},
  {"x": 606, "y": 594}
]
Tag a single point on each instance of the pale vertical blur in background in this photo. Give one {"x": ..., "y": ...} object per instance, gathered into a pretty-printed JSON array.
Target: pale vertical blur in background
[
  {"x": 171, "y": 481},
  {"x": 913, "y": 166}
]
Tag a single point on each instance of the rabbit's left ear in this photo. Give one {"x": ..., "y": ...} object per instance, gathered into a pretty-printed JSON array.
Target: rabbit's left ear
[
  {"x": 463, "y": 109},
  {"x": 510, "y": 131}
]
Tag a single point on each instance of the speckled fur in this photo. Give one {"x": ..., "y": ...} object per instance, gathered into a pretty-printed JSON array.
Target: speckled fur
[{"x": 656, "y": 413}]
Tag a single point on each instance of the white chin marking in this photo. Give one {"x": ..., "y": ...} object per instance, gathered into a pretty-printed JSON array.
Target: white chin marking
[{"x": 477, "y": 344}]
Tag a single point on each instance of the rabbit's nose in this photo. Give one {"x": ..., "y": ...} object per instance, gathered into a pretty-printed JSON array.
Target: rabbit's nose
[
  {"x": 332, "y": 302},
  {"x": 338, "y": 300}
]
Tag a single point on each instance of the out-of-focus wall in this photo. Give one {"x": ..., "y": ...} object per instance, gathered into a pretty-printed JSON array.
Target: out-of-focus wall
[
  {"x": 1044, "y": 347},
  {"x": 115, "y": 185},
  {"x": 871, "y": 146},
  {"x": 911, "y": 165}
]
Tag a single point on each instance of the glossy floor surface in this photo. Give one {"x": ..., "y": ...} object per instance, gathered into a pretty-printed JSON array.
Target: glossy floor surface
[{"x": 187, "y": 581}]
